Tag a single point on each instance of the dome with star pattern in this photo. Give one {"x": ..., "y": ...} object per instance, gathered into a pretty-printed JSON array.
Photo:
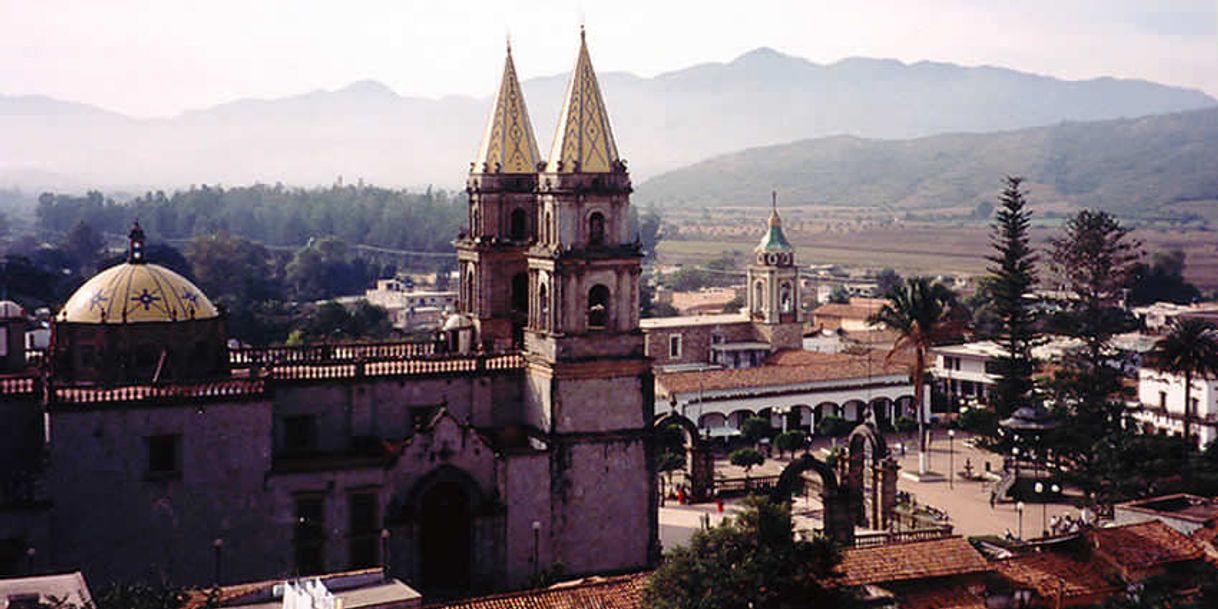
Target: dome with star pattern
[{"x": 136, "y": 293}]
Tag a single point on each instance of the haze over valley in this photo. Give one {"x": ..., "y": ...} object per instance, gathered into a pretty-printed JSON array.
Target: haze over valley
[{"x": 367, "y": 131}]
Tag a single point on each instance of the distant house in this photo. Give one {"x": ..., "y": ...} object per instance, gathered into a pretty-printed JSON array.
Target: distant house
[
  {"x": 1161, "y": 395},
  {"x": 852, "y": 316},
  {"x": 411, "y": 309}
]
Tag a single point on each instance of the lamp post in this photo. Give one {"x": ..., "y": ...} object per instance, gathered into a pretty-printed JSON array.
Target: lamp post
[
  {"x": 30, "y": 553},
  {"x": 536, "y": 546},
  {"x": 217, "y": 546},
  {"x": 385, "y": 553},
  {"x": 951, "y": 458},
  {"x": 1019, "y": 508}
]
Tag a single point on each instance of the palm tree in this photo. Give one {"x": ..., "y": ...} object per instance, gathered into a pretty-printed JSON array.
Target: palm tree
[
  {"x": 1190, "y": 349},
  {"x": 920, "y": 312}
]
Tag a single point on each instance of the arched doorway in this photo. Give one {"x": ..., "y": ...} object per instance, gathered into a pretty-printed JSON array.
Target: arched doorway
[
  {"x": 445, "y": 524},
  {"x": 675, "y": 432}
]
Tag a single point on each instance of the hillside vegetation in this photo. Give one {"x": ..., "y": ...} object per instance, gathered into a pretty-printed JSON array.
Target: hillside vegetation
[{"x": 1159, "y": 165}]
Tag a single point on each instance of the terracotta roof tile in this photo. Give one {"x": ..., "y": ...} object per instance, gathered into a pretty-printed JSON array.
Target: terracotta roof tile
[
  {"x": 1050, "y": 574},
  {"x": 791, "y": 367},
  {"x": 847, "y": 311},
  {"x": 617, "y": 592},
  {"x": 1144, "y": 545},
  {"x": 909, "y": 561},
  {"x": 942, "y": 597}
]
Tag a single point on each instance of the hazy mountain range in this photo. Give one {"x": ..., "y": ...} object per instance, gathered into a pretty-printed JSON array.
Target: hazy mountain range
[
  {"x": 1164, "y": 164},
  {"x": 367, "y": 131}
]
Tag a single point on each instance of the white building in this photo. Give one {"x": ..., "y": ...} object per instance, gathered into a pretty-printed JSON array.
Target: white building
[
  {"x": 795, "y": 389},
  {"x": 970, "y": 370},
  {"x": 1161, "y": 395},
  {"x": 411, "y": 309}
]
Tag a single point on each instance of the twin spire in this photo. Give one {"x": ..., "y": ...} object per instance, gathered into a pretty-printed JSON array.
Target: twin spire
[{"x": 583, "y": 142}]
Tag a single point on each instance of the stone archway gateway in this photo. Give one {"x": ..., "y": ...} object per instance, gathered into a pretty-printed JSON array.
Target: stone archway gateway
[
  {"x": 839, "y": 523},
  {"x": 871, "y": 478},
  {"x": 699, "y": 460}
]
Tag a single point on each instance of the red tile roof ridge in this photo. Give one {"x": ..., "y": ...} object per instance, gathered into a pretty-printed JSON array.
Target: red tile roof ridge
[
  {"x": 912, "y": 560},
  {"x": 1146, "y": 544},
  {"x": 631, "y": 584}
]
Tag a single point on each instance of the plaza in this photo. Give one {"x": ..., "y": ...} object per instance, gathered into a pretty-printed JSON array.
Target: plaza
[{"x": 966, "y": 502}]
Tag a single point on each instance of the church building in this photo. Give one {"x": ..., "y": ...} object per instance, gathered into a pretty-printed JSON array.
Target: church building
[{"x": 141, "y": 447}]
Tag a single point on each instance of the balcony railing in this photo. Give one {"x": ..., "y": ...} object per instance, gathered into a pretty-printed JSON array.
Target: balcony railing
[
  {"x": 329, "y": 353},
  {"x": 221, "y": 389}
]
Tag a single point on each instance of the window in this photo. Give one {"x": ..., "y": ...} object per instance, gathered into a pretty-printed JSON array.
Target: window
[
  {"x": 596, "y": 229},
  {"x": 1163, "y": 400},
  {"x": 547, "y": 229},
  {"x": 543, "y": 308},
  {"x": 758, "y": 296},
  {"x": 785, "y": 298},
  {"x": 363, "y": 514},
  {"x": 519, "y": 230},
  {"x": 520, "y": 293},
  {"x": 674, "y": 346},
  {"x": 165, "y": 455},
  {"x": 598, "y": 307},
  {"x": 309, "y": 542},
  {"x": 299, "y": 434}
]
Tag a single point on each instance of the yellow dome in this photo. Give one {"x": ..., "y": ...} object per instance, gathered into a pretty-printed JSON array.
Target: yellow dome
[{"x": 136, "y": 293}]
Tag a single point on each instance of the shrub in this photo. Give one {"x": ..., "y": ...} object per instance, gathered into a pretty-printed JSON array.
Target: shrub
[
  {"x": 834, "y": 426},
  {"x": 748, "y": 458}
]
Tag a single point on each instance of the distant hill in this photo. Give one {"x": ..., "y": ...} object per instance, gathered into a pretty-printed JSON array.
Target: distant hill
[
  {"x": 368, "y": 131},
  {"x": 1132, "y": 166}
]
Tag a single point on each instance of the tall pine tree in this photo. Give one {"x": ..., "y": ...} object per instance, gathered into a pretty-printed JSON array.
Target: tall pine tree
[{"x": 1012, "y": 275}]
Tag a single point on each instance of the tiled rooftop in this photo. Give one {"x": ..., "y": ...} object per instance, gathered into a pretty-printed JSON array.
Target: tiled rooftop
[
  {"x": 617, "y": 592},
  {"x": 942, "y": 597},
  {"x": 909, "y": 561},
  {"x": 792, "y": 367},
  {"x": 847, "y": 311},
  {"x": 1050, "y": 574},
  {"x": 1144, "y": 545}
]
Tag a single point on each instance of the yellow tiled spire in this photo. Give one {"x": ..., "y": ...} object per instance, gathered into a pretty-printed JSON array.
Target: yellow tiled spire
[
  {"x": 508, "y": 146},
  {"x": 584, "y": 141}
]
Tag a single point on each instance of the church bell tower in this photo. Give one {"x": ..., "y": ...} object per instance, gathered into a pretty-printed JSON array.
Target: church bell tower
[
  {"x": 502, "y": 184},
  {"x": 773, "y": 286}
]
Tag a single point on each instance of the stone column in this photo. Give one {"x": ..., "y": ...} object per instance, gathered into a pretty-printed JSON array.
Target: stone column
[{"x": 888, "y": 491}]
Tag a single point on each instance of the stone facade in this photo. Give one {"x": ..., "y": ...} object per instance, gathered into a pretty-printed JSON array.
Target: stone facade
[{"x": 461, "y": 465}]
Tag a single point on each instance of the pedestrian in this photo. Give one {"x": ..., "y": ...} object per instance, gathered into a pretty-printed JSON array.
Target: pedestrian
[{"x": 993, "y": 498}]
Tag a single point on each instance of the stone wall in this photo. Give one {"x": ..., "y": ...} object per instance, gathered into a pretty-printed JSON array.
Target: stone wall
[{"x": 696, "y": 341}]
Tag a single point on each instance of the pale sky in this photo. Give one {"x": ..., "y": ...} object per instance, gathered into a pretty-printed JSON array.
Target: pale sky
[{"x": 159, "y": 57}]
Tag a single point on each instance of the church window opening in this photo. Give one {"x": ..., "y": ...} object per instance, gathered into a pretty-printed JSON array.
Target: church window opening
[
  {"x": 759, "y": 296},
  {"x": 596, "y": 229},
  {"x": 474, "y": 223},
  {"x": 543, "y": 308},
  {"x": 299, "y": 434},
  {"x": 520, "y": 293},
  {"x": 547, "y": 228},
  {"x": 309, "y": 540},
  {"x": 519, "y": 225},
  {"x": 674, "y": 346},
  {"x": 785, "y": 298},
  {"x": 363, "y": 514},
  {"x": 598, "y": 307},
  {"x": 165, "y": 455}
]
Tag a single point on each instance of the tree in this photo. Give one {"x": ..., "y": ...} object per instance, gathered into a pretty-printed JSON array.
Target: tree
[
  {"x": 839, "y": 295},
  {"x": 790, "y": 441},
  {"x": 83, "y": 244},
  {"x": 886, "y": 281},
  {"x": 1092, "y": 260},
  {"x": 1161, "y": 281},
  {"x": 748, "y": 458},
  {"x": 1012, "y": 275},
  {"x": 754, "y": 428},
  {"x": 752, "y": 560},
  {"x": 1189, "y": 350},
  {"x": 920, "y": 312}
]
